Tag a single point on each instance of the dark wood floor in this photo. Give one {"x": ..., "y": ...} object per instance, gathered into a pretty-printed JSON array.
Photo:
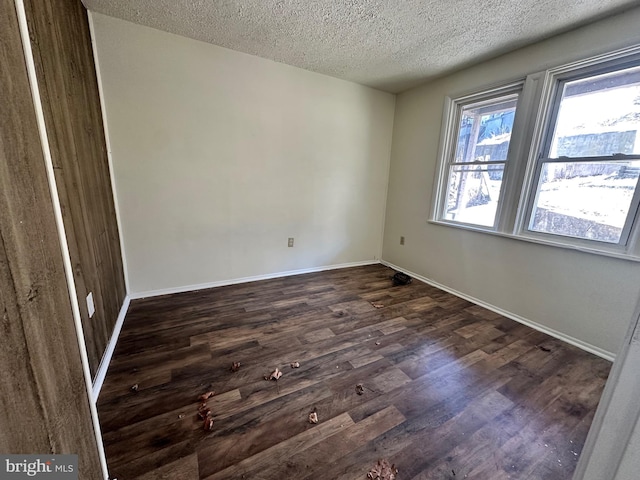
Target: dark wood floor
[{"x": 451, "y": 390}]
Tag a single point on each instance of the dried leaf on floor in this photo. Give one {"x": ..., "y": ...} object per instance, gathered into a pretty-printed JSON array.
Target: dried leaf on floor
[
  {"x": 295, "y": 365},
  {"x": 207, "y": 396},
  {"x": 377, "y": 305},
  {"x": 235, "y": 366},
  {"x": 134, "y": 387},
  {"x": 313, "y": 417},
  {"x": 383, "y": 470},
  {"x": 208, "y": 424},
  {"x": 275, "y": 375},
  {"x": 204, "y": 411},
  {"x": 359, "y": 389}
]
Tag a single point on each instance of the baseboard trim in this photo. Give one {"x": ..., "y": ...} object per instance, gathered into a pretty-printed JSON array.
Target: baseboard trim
[
  {"x": 525, "y": 321},
  {"x": 234, "y": 281},
  {"x": 106, "y": 358}
]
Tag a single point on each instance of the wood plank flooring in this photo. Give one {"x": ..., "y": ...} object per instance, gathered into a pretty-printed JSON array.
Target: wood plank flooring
[{"x": 451, "y": 390}]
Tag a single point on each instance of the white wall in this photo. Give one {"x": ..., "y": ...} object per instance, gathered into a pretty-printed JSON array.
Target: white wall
[
  {"x": 630, "y": 462},
  {"x": 611, "y": 448},
  {"x": 590, "y": 298},
  {"x": 220, "y": 156}
]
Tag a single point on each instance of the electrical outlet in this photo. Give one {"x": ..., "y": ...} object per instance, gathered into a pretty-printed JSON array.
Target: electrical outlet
[
  {"x": 401, "y": 240},
  {"x": 290, "y": 244},
  {"x": 91, "y": 308}
]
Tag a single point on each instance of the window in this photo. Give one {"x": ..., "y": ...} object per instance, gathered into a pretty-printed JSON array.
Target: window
[
  {"x": 587, "y": 176},
  {"x": 565, "y": 173},
  {"x": 479, "y": 154}
]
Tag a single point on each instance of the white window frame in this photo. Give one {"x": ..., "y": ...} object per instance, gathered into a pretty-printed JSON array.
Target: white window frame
[
  {"x": 534, "y": 119},
  {"x": 453, "y": 115}
]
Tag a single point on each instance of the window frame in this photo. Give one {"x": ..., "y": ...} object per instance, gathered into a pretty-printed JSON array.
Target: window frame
[
  {"x": 449, "y": 141},
  {"x": 543, "y": 128},
  {"x": 532, "y": 134}
]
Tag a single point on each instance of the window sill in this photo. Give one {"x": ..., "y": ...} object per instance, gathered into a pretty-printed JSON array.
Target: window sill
[{"x": 534, "y": 239}]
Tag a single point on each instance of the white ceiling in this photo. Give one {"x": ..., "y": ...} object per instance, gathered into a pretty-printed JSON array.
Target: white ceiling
[{"x": 390, "y": 45}]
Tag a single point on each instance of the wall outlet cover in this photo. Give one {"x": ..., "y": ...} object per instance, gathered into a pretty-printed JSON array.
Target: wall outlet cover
[{"x": 91, "y": 308}]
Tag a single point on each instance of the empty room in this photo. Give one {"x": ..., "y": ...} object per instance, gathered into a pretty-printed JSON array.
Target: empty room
[{"x": 336, "y": 239}]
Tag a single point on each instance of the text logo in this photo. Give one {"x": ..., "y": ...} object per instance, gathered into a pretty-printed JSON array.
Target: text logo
[{"x": 49, "y": 467}]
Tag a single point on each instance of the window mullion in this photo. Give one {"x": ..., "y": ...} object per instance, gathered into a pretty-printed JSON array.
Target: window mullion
[
  {"x": 521, "y": 140},
  {"x": 609, "y": 158},
  {"x": 475, "y": 164}
]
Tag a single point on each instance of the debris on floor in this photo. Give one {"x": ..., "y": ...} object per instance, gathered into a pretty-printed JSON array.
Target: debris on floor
[
  {"x": 313, "y": 417},
  {"x": 208, "y": 424},
  {"x": 134, "y": 387},
  {"x": 204, "y": 411},
  {"x": 206, "y": 396},
  {"x": 360, "y": 389},
  {"x": 295, "y": 365},
  {"x": 377, "y": 305},
  {"x": 544, "y": 349},
  {"x": 181, "y": 416},
  {"x": 383, "y": 470},
  {"x": 378, "y": 342},
  {"x": 401, "y": 279},
  {"x": 275, "y": 375},
  {"x": 235, "y": 366}
]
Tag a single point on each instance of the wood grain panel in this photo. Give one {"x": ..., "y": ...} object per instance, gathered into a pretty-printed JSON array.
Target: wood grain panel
[
  {"x": 65, "y": 68},
  {"x": 450, "y": 390},
  {"x": 43, "y": 399}
]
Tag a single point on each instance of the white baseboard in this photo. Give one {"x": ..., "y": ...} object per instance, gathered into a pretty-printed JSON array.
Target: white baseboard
[
  {"x": 234, "y": 281},
  {"x": 525, "y": 321},
  {"x": 106, "y": 358}
]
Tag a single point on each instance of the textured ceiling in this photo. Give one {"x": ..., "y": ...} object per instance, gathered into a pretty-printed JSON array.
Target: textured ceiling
[{"x": 391, "y": 45}]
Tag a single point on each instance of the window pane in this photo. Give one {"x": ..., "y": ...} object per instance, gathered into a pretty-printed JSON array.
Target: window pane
[
  {"x": 473, "y": 193},
  {"x": 599, "y": 116},
  {"x": 485, "y": 130},
  {"x": 589, "y": 200}
]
